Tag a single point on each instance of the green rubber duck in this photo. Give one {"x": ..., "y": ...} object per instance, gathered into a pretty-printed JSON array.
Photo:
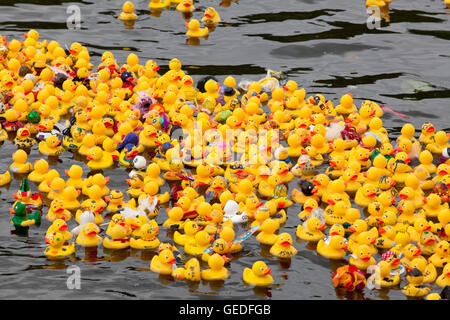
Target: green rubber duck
[{"x": 22, "y": 219}]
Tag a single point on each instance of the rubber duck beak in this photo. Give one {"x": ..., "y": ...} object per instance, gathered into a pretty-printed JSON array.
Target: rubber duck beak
[
  {"x": 11, "y": 210},
  {"x": 63, "y": 228},
  {"x": 403, "y": 196},
  {"x": 417, "y": 253},
  {"x": 431, "y": 129},
  {"x": 354, "y": 177},
  {"x": 186, "y": 25},
  {"x": 372, "y": 194},
  {"x": 59, "y": 210},
  {"x": 92, "y": 233},
  {"x": 345, "y": 246},
  {"x": 331, "y": 201},
  {"x": 381, "y": 230},
  {"x": 351, "y": 229},
  {"x": 285, "y": 243},
  {"x": 267, "y": 271},
  {"x": 47, "y": 241},
  {"x": 322, "y": 227},
  {"x": 373, "y": 241},
  {"x": 365, "y": 258}
]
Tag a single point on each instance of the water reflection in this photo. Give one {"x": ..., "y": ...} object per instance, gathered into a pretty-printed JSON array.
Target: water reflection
[
  {"x": 90, "y": 254},
  {"x": 263, "y": 292},
  {"x": 129, "y": 24},
  {"x": 116, "y": 255}
]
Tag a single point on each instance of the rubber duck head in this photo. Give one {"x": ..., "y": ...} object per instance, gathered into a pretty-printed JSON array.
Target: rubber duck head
[
  {"x": 321, "y": 180},
  {"x": 41, "y": 166},
  {"x": 95, "y": 154},
  {"x": 75, "y": 172},
  {"x": 337, "y": 242},
  {"x": 57, "y": 206},
  {"x": 408, "y": 131},
  {"x": 20, "y": 156},
  {"x": 184, "y": 203},
  {"x": 284, "y": 239},
  {"x": 337, "y": 230},
  {"x": 441, "y": 138},
  {"x": 56, "y": 239},
  {"x": 363, "y": 252},
  {"x": 358, "y": 226},
  {"x": 314, "y": 224},
  {"x": 202, "y": 238},
  {"x": 216, "y": 262},
  {"x": 260, "y": 269}
]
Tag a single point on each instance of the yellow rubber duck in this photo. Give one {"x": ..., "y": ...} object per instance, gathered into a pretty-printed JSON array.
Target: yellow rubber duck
[
  {"x": 128, "y": 14},
  {"x": 51, "y": 146},
  {"x": 152, "y": 174},
  {"x": 119, "y": 237},
  {"x": 75, "y": 174},
  {"x": 441, "y": 255},
  {"x": 163, "y": 263},
  {"x": 56, "y": 249},
  {"x": 93, "y": 206},
  {"x": 23, "y": 139},
  {"x": 69, "y": 197},
  {"x": 185, "y": 6},
  {"x": 151, "y": 190},
  {"x": 57, "y": 186},
  {"x": 365, "y": 195},
  {"x": 311, "y": 230},
  {"x": 427, "y": 133},
  {"x": 115, "y": 201},
  {"x": 432, "y": 206},
  {"x": 98, "y": 159},
  {"x": 148, "y": 136},
  {"x": 283, "y": 247},
  {"x": 426, "y": 161},
  {"x": 87, "y": 144},
  {"x": 346, "y": 105},
  {"x": 174, "y": 221},
  {"x": 385, "y": 279},
  {"x": 267, "y": 234},
  {"x": 428, "y": 242},
  {"x": 41, "y": 169},
  {"x": 216, "y": 270},
  {"x": 57, "y": 211},
  {"x": 60, "y": 226},
  {"x": 201, "y": 243},
  {"x": 415, "y": 287},
  {"x": 440, "y": 142},
  {"x": 190, "y": 272},
  {"x": 258, "y": 275},
  {"x": 190, "y": 229},
  {"x": 444, "y": 279},
  {"x": 386, "y": 238},
  {"x": 362, "y": 257},
  {"x": 20, "y": 164},
  {"x": 428, "y": 270},
  {"x": 135, "y": 183},
  {"x": 211, "y": 16},
  {"x": 332, "y": 247},
  {"x": 194, "y": 30},
  {"x": 148, "y": 237}
]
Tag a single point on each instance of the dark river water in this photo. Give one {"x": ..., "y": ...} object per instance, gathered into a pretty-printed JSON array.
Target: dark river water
[{"x": 324, "y": 45}]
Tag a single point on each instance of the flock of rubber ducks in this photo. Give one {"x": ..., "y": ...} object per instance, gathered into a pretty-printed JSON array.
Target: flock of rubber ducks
[
  {"x": 210, "y": 17},
  {"x": 376, "y": 202}
]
